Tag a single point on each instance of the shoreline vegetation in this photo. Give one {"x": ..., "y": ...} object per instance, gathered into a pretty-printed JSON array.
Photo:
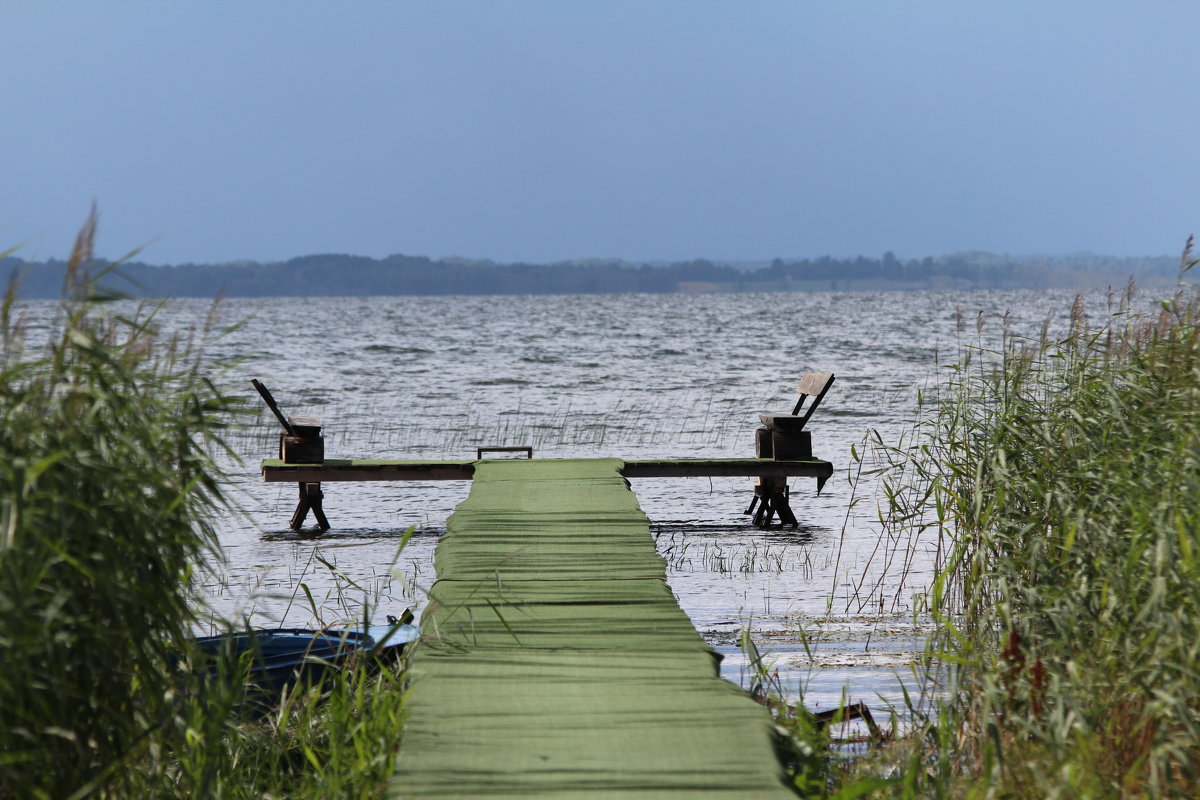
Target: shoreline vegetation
[
  {"x": 108, "y": 491},
  {"x": 1061, "y": 477},
  {"x": 355, "y": 276}
]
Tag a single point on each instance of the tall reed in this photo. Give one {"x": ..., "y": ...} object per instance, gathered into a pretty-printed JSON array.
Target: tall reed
[
  {"x": 334, "y": 738},
  {"x": 1064, "y": 477},
  {"x": 107, "y": 487}
]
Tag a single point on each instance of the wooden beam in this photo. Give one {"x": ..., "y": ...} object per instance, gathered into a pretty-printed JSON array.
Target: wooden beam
[
  {"x": 345, "y": 469},
  {"x": 727, "y": 467},
  {"x": 335, "y": 469}
]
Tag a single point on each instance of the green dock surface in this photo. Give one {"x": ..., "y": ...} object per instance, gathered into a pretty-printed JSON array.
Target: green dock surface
[{"x": 555, "y": 661}]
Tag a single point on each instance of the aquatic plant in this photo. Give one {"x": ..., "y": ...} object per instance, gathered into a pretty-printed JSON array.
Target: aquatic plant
[
  {"x": 336, "y": 737},
  {"x": 110, "y": 484},
  {"x": 1062, "y": 476},
  {"x": 107, "y": 491},
  {"x": 808, "y": 752}
]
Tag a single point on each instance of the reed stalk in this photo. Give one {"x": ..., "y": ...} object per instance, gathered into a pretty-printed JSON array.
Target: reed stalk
[
  {"x": 109, "y": 490},
  {"x": 1063, "y": 478}
]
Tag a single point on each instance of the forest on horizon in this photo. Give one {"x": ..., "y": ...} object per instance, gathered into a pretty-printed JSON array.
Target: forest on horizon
[{"x": 346, "y": 275}]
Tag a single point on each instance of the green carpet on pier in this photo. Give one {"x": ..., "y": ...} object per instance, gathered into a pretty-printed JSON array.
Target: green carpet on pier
[{"x": 555, "y": 662}]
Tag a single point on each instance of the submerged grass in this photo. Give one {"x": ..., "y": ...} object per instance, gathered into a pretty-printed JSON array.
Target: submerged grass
[
  {"x": 419, "y": 428},
  {"x": 1062, "y": 478},
  {"x": 109, "y": 487}
]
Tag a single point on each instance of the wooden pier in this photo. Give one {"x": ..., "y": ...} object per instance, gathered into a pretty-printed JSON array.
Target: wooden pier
[
  {"x": 783, "y": 449},
  {"x": 772, "y": 475},
  {"x": 554, "y": 659},
  {"x": 374, "y": 469}
]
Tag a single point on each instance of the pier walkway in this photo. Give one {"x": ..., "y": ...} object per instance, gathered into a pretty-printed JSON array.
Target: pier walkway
[{"x": 556, "y": 661}]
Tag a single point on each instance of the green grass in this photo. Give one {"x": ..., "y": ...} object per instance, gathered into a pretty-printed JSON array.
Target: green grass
[
  {"x": 1063, "y": 476},
  {"x": 109, "y": 486},
  {"x": 336, "y": 738}
]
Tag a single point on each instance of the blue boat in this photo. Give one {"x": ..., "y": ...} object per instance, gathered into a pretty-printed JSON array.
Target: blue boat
[{"x": 279, "y": 657}]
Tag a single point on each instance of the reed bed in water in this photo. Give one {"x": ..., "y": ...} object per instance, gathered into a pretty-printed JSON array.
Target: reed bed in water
[
  {"x": 1063, "y": 479},
  {"x": 420, "y": 428},
  {"x": 108, "y": 488}
]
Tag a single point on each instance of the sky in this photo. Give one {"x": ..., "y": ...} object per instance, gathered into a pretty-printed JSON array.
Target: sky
[{"x": 545, "y": 130}]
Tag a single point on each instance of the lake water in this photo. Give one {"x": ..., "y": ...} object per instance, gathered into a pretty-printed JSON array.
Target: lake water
[{"x": 634, "y": 376}]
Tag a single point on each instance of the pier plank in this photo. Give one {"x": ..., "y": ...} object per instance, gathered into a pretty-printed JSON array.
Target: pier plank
[
  {"x": 727, "y": 467},
  {"x": 345, "y": 469},
  {"x": 367, "y": 469},
  {"x": 535, "y": 678}
]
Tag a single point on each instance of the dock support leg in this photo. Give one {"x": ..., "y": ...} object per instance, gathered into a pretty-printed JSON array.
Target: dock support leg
[
  {"x": 780, "y": 502},
  {"x": 311, "y": 497},
  {"x": 771, "y": 497},
  {"x": 765, "y": 513}
]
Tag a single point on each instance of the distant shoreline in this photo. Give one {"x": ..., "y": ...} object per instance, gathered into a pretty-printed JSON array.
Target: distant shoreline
[{"x": 399, "y": 275}]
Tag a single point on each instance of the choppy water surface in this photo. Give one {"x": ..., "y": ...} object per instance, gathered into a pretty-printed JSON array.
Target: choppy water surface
[{"x": 634, "y": 376}]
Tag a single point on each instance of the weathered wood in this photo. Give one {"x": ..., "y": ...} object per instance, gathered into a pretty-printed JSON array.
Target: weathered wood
[
  {"x": 344, "y": 469},
  {"x": 300, "y": 442},
  {"x": 781, "y": 505},
  {"x": 526, "y": 449},
  {"x": 771, "y": 496},
  {"x": 301, "y": 512},
  {"x": 783, "y": 438},
  {"x": 316, "y": 500},
  {"x": 791, "y": 446},
  {"x": 727, "y": 467},
  {"x": 772, "y": 477},
  {"x": 311, "y": 498},
  {"x": 815, "y": 383},
  {"x": 762, "y": 444},
  {"x": 335, "y": 469},
  {"x": 784, "y": 423},
  {"x": 308, "y": 449},
  {"x": 270, "y": 401}
]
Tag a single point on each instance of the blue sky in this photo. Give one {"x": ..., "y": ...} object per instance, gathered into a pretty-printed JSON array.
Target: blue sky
[{"x": 215, "y": 131}]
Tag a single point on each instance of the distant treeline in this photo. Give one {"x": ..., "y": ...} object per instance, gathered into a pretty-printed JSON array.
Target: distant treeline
[{"x": 345, "y": 275}]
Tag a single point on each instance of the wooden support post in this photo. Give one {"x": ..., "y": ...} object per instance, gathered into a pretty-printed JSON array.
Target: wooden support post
[
  {"x": 300, "y": 442},
  {"x": 316, "y": 496},
  {"x": 753, "y": 503},
  {"x": 311, "y": 497},
  {"x": 301, "y": 509},
  {"x": 765, "y": 513},
  {"x": 780, "y": 501},
  {"x": 783, "y": 438},
  {"x": 771, "y": 497},
  {"x": 763, "y": 444}
]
